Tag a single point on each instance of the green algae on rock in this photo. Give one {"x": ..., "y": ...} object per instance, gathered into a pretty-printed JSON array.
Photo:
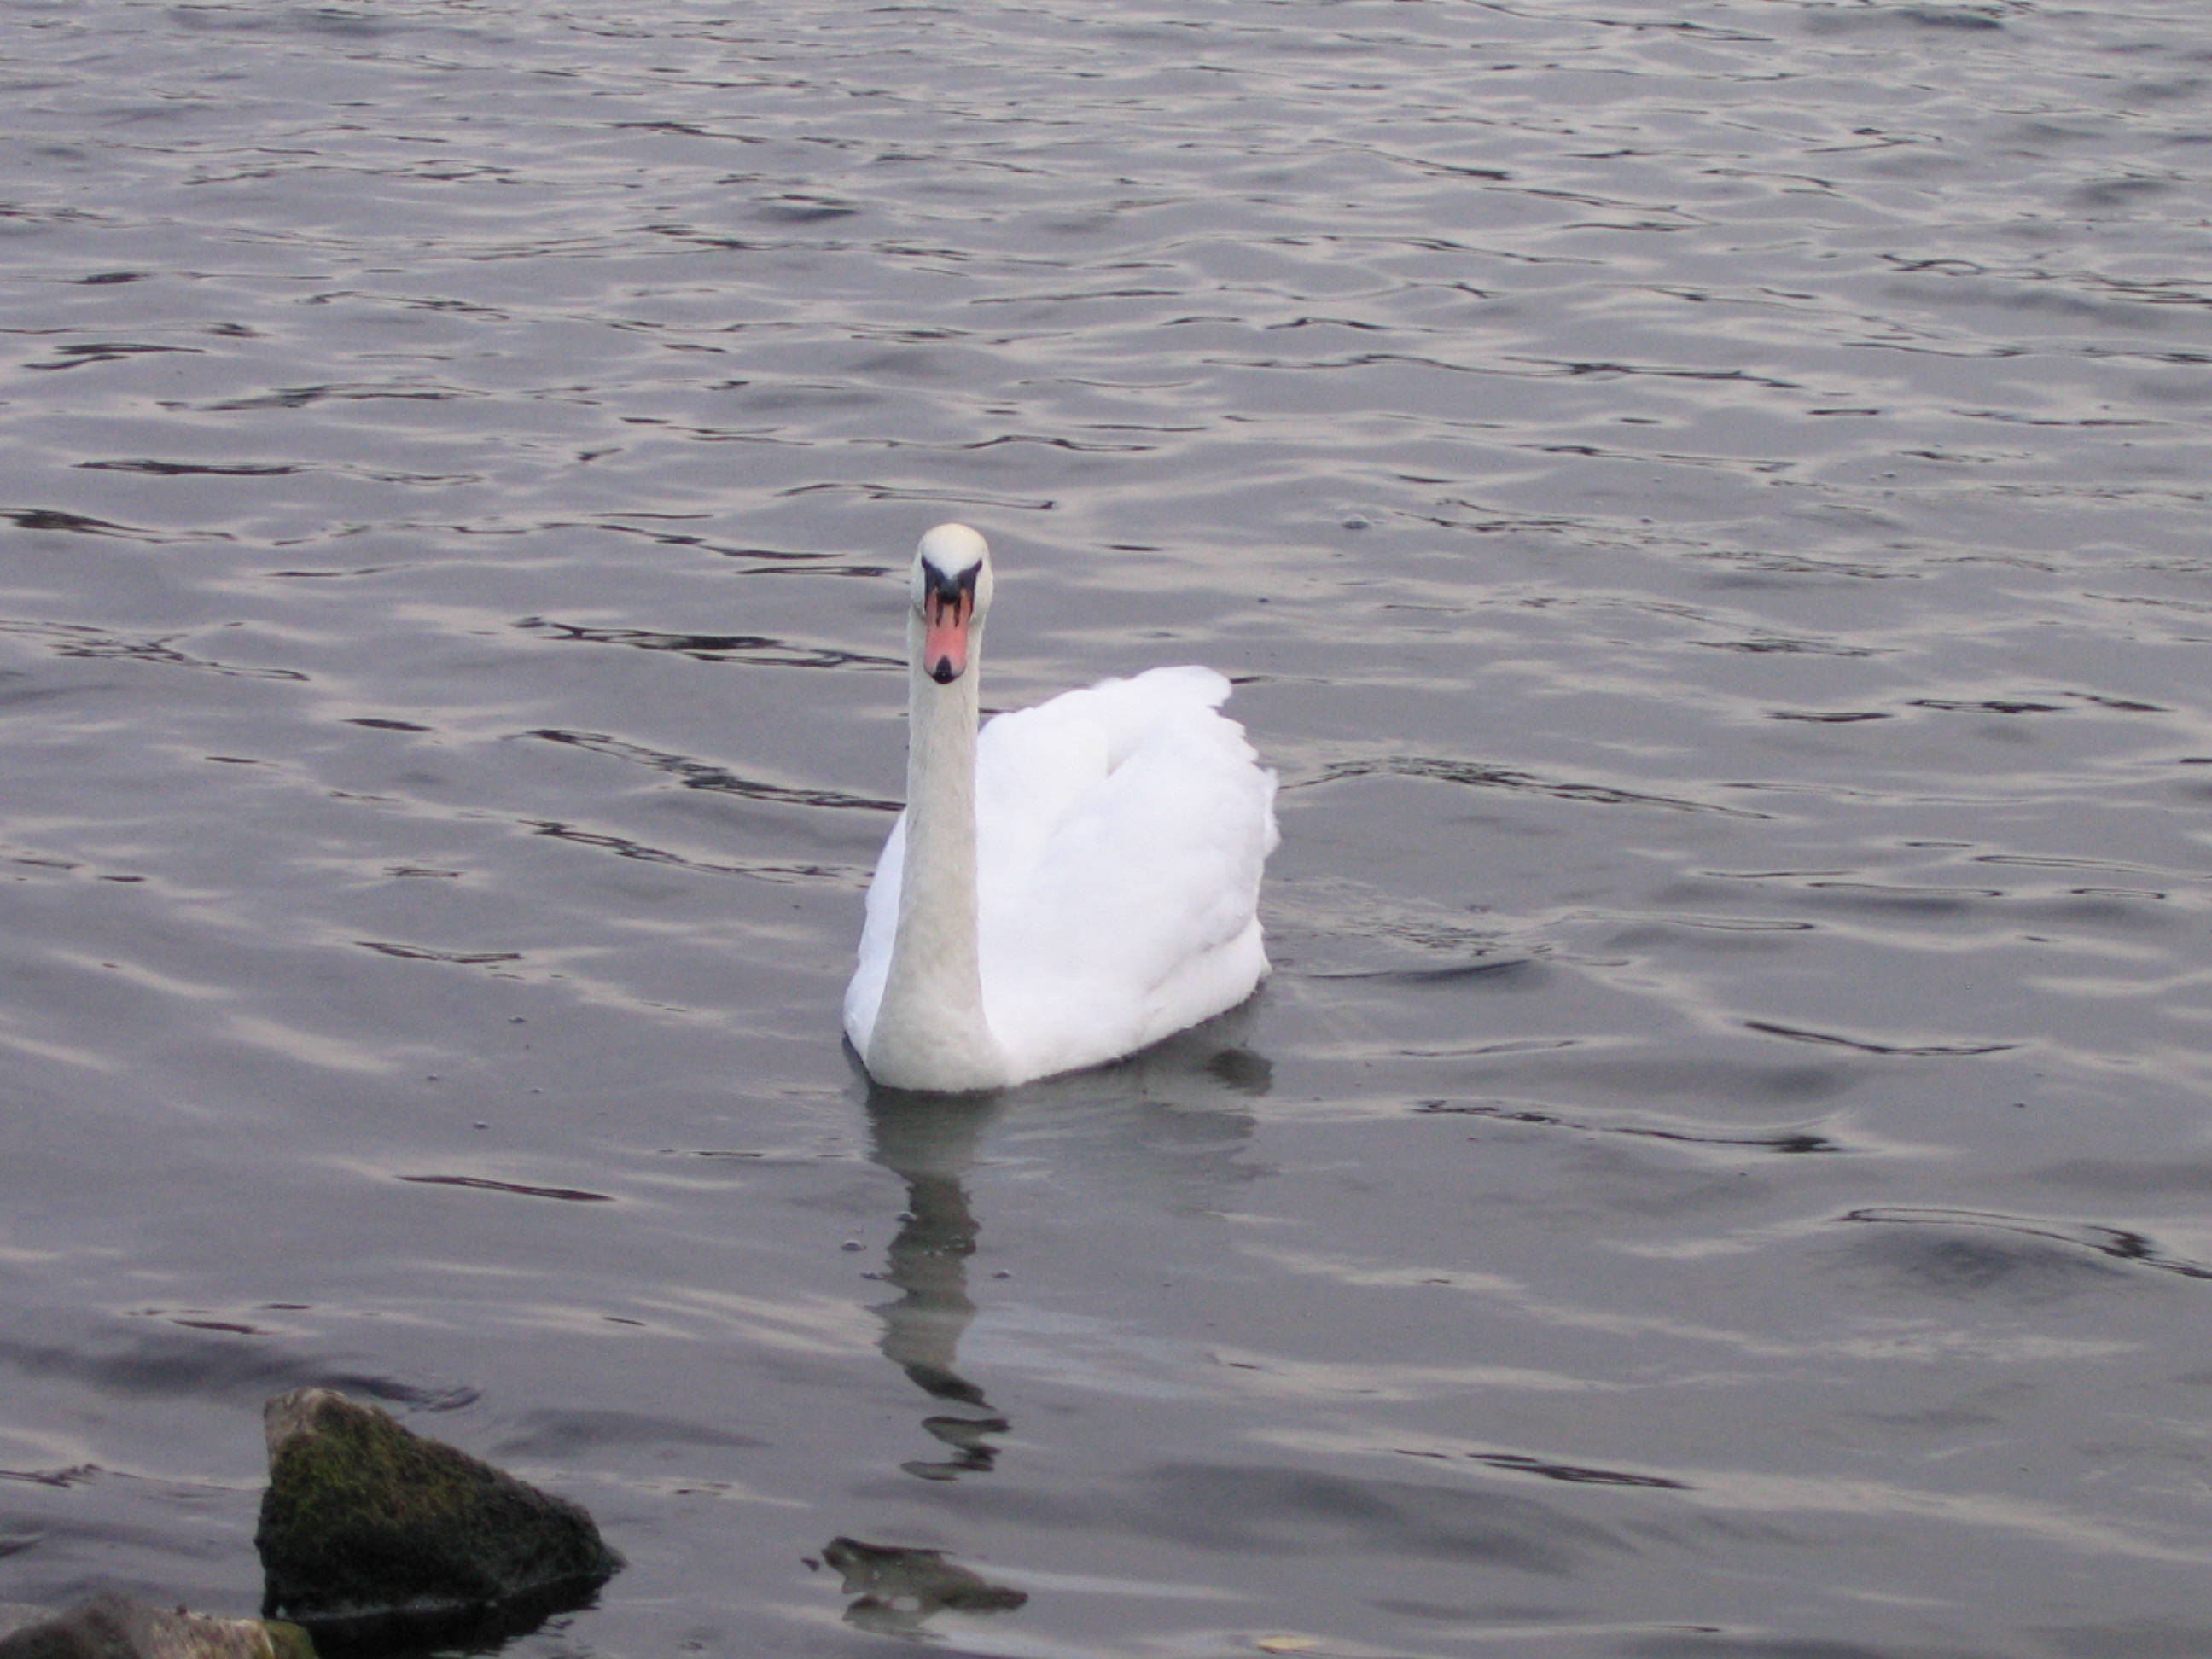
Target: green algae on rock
[
  {"x": 109, "y": 1626},
  {"x": 365, "y": 1520}
]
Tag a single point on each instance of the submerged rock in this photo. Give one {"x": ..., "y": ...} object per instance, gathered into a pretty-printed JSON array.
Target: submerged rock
[
  {"x": 113, "y": 1626},
  {"x": 897, "y": 1588},
  {"x": 365, "y": 1523}
]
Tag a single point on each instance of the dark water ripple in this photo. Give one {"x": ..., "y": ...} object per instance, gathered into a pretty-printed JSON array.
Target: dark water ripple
[{"x": 1705, "y": 508}]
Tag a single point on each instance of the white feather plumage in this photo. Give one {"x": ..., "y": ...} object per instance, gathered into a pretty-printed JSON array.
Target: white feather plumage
[{"x": 1120, "y": 833}]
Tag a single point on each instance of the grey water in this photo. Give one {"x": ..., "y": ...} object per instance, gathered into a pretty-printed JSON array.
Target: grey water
[{"x": 1705, "y": 508}]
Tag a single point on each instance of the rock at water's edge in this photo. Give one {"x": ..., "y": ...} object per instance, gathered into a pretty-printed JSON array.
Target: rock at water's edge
[
  {"x": 14, "y": 1615},
  {"x": 363, "y": 1518},
  {"x": 113, "y": 1627}
]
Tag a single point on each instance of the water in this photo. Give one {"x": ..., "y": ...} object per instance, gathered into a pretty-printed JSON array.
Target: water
[{"x": 1705, "y": 506}]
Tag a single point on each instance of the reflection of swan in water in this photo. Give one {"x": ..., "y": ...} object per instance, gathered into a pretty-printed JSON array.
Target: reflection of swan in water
[
  {"x": 1074, "y": 885},
  {"x": 931, "y": 1146},
  {"x": 1172, "y": 1120}
]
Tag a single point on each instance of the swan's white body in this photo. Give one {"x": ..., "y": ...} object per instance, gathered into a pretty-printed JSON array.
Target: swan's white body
[{"x": 1075, "y": 884}]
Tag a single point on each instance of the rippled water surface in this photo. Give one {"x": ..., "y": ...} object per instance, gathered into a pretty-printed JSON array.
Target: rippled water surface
[{"x": 1705, "y": 506}]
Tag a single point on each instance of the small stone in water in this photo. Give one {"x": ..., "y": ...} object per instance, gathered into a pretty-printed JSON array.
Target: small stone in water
[
  {"x": 109, "y": 1626},
  {"x": 364, "y": 1521}
]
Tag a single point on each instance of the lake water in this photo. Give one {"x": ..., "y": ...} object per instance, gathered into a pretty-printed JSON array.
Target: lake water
[{"x": 1706, "y": 509}]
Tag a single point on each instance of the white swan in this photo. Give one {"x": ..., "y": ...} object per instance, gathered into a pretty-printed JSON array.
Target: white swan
[{"x": 1077, "y": 884}]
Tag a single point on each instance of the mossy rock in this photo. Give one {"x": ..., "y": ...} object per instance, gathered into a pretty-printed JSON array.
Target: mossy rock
[
  {"x": 113, "y": 1627},
  {"x": 364, "y": 1520}
]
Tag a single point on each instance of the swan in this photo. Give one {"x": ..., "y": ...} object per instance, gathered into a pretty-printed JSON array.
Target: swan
[{"x": 1073, "y": 884}]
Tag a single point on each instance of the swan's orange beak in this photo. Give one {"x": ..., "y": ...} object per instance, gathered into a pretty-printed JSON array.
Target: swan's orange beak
[{"x": 945, "y": 620}]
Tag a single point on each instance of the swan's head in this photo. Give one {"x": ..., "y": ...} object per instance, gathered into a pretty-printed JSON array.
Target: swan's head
[{"x": 951, "y": 592}]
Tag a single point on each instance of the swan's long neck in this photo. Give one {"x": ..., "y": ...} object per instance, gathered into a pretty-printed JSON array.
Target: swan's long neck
[{"x": 930, "y": 1032}]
